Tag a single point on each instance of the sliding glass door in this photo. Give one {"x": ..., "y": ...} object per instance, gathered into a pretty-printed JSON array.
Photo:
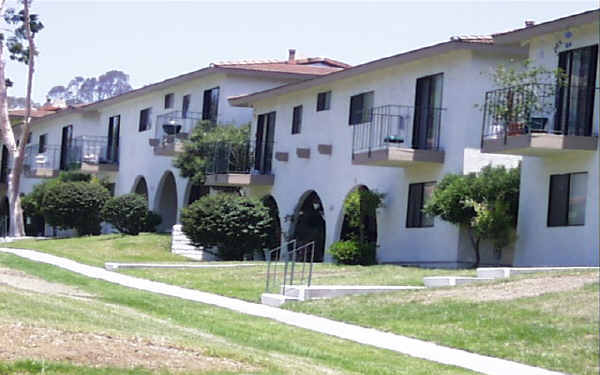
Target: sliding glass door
[
  {"x": 265, "y": 136},
  {"x": 428, "y": 103}
]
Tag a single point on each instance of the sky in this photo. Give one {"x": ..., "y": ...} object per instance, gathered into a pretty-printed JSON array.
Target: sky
[{"x": 154, "y": 40}]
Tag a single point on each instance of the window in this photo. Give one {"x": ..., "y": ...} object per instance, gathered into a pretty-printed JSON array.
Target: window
[
  {"x": 297, "y": 120},
  {"x": 210, "y": 104},
  {"x": 566, "y": 203},
  {"x": 169, "y": 100},
  {"x": 360, "y": 108},
  {"x": 185, "y": 105},
  {"x": 418, "y": 195},
  {"x": 28, "y": 138},
  {"x": 323, "y": 101},
  {"x": 43, "y": 143},
  {"x": 145, "y": 119}
]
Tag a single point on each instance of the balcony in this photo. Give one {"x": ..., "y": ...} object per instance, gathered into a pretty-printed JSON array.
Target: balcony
[
  {"x": 388, "y": 140},
  {"x": 240, "y": 165},
  {"x": 92, "y": 154},
  {"x": 41, "y": 161},
  {"x": 171, "y": 130},
  {"x": 539, "y": 120}
]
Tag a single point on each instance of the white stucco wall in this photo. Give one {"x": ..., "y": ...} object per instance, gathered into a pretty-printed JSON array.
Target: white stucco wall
[
  {"x": 539, "y": 244},
  {"x": 333, "y": 176}
]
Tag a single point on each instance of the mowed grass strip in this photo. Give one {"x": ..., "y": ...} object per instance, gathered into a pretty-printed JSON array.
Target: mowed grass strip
[
  {"x": 281, "y": 349},
  {"x": 557, "y": 330},
  {"x": 97, "y": 250}
]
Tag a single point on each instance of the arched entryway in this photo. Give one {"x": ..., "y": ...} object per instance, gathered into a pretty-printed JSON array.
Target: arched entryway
[
  {"x": 309, "y": 223},
  {"x": 140, "y": 187},
  {"x": 195, "y": 192},
  {"x": 363, "y": 228},
  {"x": 274, "y": 239},
  {"x": 166, "y": 202}
]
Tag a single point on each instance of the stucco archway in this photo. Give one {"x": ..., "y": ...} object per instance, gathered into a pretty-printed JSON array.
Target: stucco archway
[
  {"x": 194, "y": 192},
  {"x": 166, "y": 202},
  {"x": 369, "y": 222},
  {"x": 309, "y": 223},
  {"x": 140, "y": 187}
]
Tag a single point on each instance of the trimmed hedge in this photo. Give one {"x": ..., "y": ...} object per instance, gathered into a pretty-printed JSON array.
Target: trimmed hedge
[
  {"x": 74, "y": 205},
  {"x": 129, "y": 214},
  {"x": 236, "y": 225},
  {"x": 353, "y": 252}
]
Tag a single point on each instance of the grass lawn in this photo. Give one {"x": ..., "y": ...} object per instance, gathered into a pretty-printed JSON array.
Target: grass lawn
[
  {"x": 96, "y": 250},
  {"x": 266, "y": 346},
  {"x": 557, "y": 331}
]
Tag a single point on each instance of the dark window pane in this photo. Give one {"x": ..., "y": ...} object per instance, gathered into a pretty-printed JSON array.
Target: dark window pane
[
  {"x": 42, "y": 146},
  {"x": 427, "y": 220},
  {"x": 185, "y": 105},
  {"x": 169, "y": 101},
  {"x": 210, "y": 104},
  {"x": 297, "y": 120},
  {"x": 415, "y": 202},
  {"x": 577, "y": 195},
  {"x": 323, "y": 101},
  {"x": 558, "y": 200},
  {"x": 145, "y": 119}
]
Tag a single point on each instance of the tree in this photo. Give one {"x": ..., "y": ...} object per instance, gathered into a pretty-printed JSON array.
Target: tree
[
  {"x": 26, "y": 26},
  {"x": 193, "y": 161},
  {"x": 15, "y": 102},
  {"x": 485, "y": 204},
  {"x": 359, "y": 207},
  {"x": 236, "y": 225},
  {"x": 86, "y": 90}
]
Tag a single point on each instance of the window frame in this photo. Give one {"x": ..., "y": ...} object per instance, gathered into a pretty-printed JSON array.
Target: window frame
[
  {"x": 565, "y": 220},
  {"x": 147, "y": 125},
  {"x": 421, "y": 204},
  {"x": 42, "y": 145},
  {"x": 352, "y": 117},
  {"x": 325, "y": 103},
  {"x": 297, "y": 119},
  {"x": 169, "y": 101},
  {"x": 210, "y": 104}
]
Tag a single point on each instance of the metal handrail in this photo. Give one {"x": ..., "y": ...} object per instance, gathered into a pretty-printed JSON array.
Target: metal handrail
[
  {"x": 176, "y": 123},
  {"x": 269, "y": 259},
  {"x": 241, "y": 157},
  {"x": 392, "y": 126},
  {"x": 529, "y": 108},
  {"x": 293, "y": 261}
]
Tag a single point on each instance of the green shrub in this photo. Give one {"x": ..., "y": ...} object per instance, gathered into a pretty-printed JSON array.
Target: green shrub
[
  {"x": 74, "y": 205},
  {"x": 74, "y": 176},
  {"x": 128, "y": 213},
  {"x": 151, "y": 221},
  {"x": 353, "y": 252},
  {"x": 236, "y": 225}
]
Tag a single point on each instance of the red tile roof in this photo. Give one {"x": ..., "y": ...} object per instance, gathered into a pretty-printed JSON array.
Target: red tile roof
[
  {"x": 34, "y": 112},
  {"x": 282, "y": 68}
]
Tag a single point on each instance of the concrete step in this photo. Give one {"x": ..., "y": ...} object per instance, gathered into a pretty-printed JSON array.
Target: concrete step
[
  {"x": 506, "y": 272},
  {"x": 305, "y": 293},
  {"x": 442, "y": 281},
  {"x": 275, "y": 300}
]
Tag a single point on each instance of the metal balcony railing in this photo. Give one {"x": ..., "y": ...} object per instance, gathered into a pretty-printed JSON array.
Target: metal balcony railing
[
  {"x": 399, "y": 126},
  {"x": 538, "y": 108},
  {"x": 90, "y": 150},
  {"x": 46, "y": 157},
  {"x": 176, "y": 123},
  {"x": 243, "y": 157}
]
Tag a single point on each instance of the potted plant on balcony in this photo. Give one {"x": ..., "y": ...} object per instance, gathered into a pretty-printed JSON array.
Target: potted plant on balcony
[{"x": 524, "y": 99}]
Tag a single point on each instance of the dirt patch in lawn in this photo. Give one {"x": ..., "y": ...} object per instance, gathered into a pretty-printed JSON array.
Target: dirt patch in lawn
[
  {"x": 23, "y": 281},
  {"x": 19, "y": 341},
  {"x": 529, "y": 287}
]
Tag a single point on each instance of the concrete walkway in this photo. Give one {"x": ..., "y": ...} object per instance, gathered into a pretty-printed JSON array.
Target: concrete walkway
[{"x": 401, "y": 344}]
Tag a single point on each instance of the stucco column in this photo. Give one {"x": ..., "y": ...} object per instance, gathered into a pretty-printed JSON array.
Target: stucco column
[{"x": 332, "y": 228}]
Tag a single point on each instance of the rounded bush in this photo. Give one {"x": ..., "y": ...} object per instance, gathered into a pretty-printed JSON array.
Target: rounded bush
[
  {"x": 128, "y": 213},
  {"x": 151, "y": 221},
  {"x": 353, "y": 252},
  {"x": 236, "y": 225},
  {"x": 75, "y": 205}
]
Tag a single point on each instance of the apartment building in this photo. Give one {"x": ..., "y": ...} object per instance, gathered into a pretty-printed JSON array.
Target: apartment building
[
  {"x": 557, "y": 136},
  {"x": 399, "y": 124},
  {"x": 131, "y": 138}
]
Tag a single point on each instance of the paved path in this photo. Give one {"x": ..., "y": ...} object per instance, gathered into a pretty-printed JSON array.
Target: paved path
[{"x": 401, "y": 344}]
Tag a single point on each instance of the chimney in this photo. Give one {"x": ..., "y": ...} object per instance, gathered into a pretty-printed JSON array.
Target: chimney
[
  {"x": 292, "y": 56},
  {"x": 529, "y": 23}
]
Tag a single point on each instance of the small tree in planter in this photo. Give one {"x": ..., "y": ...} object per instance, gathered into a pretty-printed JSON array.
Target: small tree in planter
[
  {"x": 485, "y": 204},
  {"x": 522, "y": 91}
]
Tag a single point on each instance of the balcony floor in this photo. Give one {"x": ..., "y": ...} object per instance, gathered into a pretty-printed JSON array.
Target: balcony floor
[
  {"x": 398, "y": 157},
  {"x": 540, "y": 144},
  {"x": 239, "y": 179}
]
